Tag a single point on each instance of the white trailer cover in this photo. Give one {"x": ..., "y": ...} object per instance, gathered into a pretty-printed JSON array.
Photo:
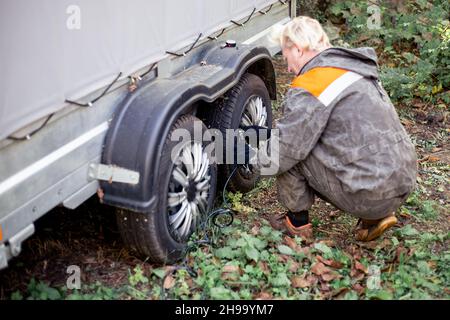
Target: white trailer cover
[{"x": 53, "y": 50}]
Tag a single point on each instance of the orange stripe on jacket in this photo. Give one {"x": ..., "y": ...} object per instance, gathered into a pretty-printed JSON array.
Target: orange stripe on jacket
[{"x": 316, "y": 80}]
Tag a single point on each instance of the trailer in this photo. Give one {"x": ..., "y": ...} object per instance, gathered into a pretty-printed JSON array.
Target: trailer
[{"x": 91, "y": 91}]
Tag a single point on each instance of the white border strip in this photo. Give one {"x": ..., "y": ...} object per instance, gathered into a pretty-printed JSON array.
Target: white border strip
[
  {"x": 52, "y": 157},
  {"x": 337, "y": 86}
]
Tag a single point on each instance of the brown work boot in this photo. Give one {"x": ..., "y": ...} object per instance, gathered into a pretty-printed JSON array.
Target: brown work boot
[
  {"x": 368, "y": 230},
  {"x": 282, "y": 223}
]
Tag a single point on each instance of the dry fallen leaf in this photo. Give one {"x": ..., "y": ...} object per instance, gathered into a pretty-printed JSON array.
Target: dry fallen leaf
[
  {"x": 359, "y": 266},
  {"x": 385, "y": 243},
  {"x": 330, "y": 262},
  {"x": 169, "y": 282},
  {"x": 300, "y": 282},
  {"x": 340, "y": 293},
  {"x": 433, "y": 159},
  {"x": 430, "y": 158},
  {"x": 322, "y": 270},
  {"x": 304, "y": 250},
  {"x": 372, "y": 245},
  {"x": 294, "y": 266},
  {"x": 291, "y": 243},
  {"x": 319, "y": 269},
  {"x": 229, "y": 276},
  {"x": 229, "y": 268},
  {"x": 436, "y": 149},
  {"x": 304, "y": 281},
  {"x": 255, "y": 230},
  {"x": 358, "y": 288},
  {"x": 357, "y": 275},
  {"x": 330, "y": 276},
  {"x": 283, "y": 258},
  {"x": 398, "y": 252},
  {"x": 230, "y": 273},
  {"x": 264, "y": 267},
  {"x": 264, "y": 296},
  {"x": 329, "y": 243},
  {"x": 355, "y": 252},
  {"x": 407, "y": 123},
  {"x": 324, "y": 287},
  {"x": 189, "y": 282}
]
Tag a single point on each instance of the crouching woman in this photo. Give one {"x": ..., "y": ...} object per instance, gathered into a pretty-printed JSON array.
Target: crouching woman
[{"x": 339, "y": 137}]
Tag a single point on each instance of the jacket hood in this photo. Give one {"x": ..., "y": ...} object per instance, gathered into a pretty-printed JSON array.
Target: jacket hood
[{"x": 360, "y": 60}]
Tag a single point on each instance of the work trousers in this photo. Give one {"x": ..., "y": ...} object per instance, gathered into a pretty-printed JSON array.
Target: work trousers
[{"x": 298, "y": 187}]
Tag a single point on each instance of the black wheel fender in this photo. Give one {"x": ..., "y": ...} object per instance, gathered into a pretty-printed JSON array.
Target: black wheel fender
[{"x": 143, "y": 120}]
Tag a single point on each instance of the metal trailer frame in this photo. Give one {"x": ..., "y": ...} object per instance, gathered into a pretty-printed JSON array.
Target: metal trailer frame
[{"x": 61, "y": 165}]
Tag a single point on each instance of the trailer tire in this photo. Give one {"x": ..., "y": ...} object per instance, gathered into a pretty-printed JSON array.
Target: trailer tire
[
  {"x": 151, "y": 234},
  {"x": 229, "y": 113}
]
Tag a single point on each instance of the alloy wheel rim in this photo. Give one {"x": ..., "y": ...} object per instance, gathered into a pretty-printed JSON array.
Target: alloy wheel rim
[
  {"x": 189, "y": 186},
  {"x": 255, "y": 114}
]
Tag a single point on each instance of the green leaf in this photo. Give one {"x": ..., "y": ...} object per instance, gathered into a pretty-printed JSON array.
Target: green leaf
[
  {"x": 225, "y": 253},
  {"x": 407, "y": 231},
  {"x": 242, "y": 242},
  {"x": 252, "y": 253},
  {"x": 395, "y": 241},
  {"x": 221, "y": 293},
  {"x": 137, "y": 277},
  {"x": 428, "y": 209},
  {"x": 351, "y": 295},
  {"x": 52, "y": 293},
  {"x": 74, "y": 296},
  {"x": 265, "y": 230},
  {"x": 16, "y": 296},
  {"x": 423, "y": 266},
  {"x": 285, "y": 250},
  {"x": 281, "y": 280},
  {"x": 323, "y": 248},
  {"x": 258, "y": 243},
  {"x": 160, "y": 273},
  {"x": 380, "y": 294},
  {"x": 265, "y": 255}
]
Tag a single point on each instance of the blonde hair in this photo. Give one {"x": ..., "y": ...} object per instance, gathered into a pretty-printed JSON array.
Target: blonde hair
[{"x": 305, "y": 32}]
